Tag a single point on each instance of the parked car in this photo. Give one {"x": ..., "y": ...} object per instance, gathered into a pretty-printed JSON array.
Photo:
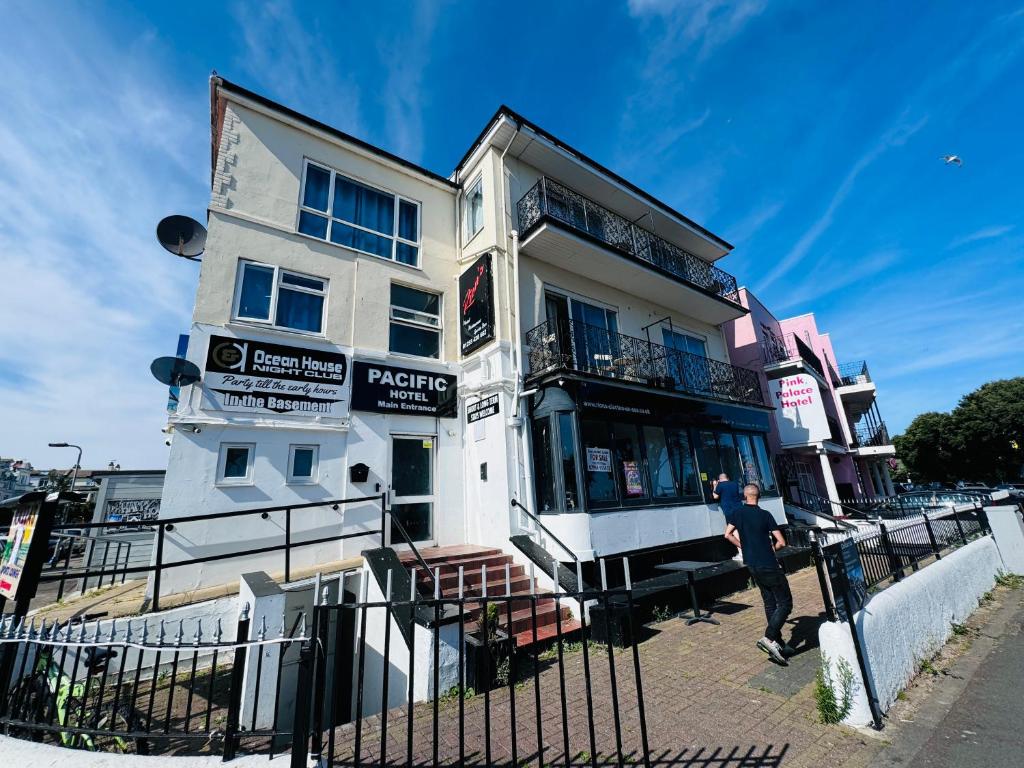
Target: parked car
[
  {"x": 1016, "y": 490},
  {"x": 966, "y": 486}
]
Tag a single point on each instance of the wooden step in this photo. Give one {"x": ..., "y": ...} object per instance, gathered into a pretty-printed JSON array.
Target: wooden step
[
  {"x": 548, "y": 634},
  {"x": 446, "y": 554}
]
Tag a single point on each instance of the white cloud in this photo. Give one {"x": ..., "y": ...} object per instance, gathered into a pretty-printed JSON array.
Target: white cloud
[
  {"x": 985, "y": 233},
  {"x": 94, "y": 149},
  {"x": 289, "y": 58},
  {"x": 895, "y": 136},
  {"x": 405, "y": 57}
]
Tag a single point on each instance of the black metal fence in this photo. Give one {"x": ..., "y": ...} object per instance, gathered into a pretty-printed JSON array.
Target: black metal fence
[
  {"x": 129, "y": 687},
  {"x": 548, "y": 199},
  {"x": 854, "y": 373},
  {"x": 789, "y": 346},
  {"x": 590, "y": 349},
  {"x": 888, "y": 552},
  {"x": 69, "y": 570},
  {"x": 442, "y": 680}
]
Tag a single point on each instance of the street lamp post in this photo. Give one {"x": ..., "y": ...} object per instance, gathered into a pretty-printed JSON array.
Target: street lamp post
[{"x": 78, "y": 461}]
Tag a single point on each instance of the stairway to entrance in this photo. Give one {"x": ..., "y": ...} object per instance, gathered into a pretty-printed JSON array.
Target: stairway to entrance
[{"x": 472, "y": 559}]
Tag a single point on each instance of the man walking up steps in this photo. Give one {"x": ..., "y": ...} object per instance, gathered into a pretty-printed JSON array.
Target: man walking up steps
[{"x": 755, "y": 531}]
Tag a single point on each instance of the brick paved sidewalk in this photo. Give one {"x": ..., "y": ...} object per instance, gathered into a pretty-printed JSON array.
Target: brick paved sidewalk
[{"x": 713, "y": 700}]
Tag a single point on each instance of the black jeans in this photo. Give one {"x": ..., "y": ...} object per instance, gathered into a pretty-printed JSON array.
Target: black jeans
[{"x": 778, "y": 600}]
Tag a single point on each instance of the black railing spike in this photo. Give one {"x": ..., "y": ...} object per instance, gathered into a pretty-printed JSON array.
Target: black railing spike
[
  {"x": 181, "y": 632},
  {"x": 219, "y": 633},
  {"x": 42, "y": 629},
  {"x": 302, "y": 624},
  {"x": 128, "y": 632},
  {"x": 160, "y": 637},
  {"x": 81, "y": 631},
  {"x": 113, "y": 630},
  {"x": 262, "y": 634},
  {"x": 32, "y": 628},
  {"x": 96, "y": 634},
  {"x": 323, "y": 595},
  {"x": 245, "y": 612},
  {"x": 145, "y": 631},
  {"x": 197, "y": 638}
]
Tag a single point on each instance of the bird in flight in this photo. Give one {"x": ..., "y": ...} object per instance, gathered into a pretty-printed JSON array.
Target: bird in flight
[{"x": 952, "y": 160}]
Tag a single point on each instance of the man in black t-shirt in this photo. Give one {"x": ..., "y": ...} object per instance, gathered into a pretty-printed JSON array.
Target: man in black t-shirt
[{"x": 757, "y": 534}]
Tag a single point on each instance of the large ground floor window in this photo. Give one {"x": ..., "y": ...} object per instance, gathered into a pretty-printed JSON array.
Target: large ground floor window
[{"x": 593, "y": 463}]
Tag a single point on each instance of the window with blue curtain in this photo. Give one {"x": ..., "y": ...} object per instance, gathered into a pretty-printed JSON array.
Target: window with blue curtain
[
  {"x": 281, "y": 298},
  {"x": 596, "y": 330},
  {"x": 358, "y": 216}
]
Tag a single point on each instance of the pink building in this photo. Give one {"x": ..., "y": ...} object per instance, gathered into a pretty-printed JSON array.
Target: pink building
[{"x": 828, "y": 437}]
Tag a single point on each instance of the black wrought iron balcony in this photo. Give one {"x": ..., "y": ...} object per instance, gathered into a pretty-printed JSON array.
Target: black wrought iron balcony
[
  {"x": 854, "y": 373},
  {"x": 871, "y": 435},
  {"x": 789, "y": 346},
  {"x": 549, "y": 200},
  {"x": 590, "y": 349}
]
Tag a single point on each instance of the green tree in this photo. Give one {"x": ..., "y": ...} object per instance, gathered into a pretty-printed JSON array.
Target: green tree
[
  {"x": 926, "y": 447},
  {"x": 989, "y": 422},
  {"x": 981, "y": 439}
]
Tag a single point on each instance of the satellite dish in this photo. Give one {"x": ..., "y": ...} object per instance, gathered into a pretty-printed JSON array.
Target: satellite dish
[
  {"x": 183, "y": 236},
  {"x": 174, "y": 371}
]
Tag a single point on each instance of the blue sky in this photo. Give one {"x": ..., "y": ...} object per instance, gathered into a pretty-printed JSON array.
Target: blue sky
[{"x": 808, "y": 135}]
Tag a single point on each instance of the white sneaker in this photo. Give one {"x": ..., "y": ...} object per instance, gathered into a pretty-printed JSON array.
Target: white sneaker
[{"x": 774, "y": 651}]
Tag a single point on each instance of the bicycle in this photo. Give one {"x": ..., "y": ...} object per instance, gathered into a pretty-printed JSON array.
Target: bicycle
[{"x": 48, "y": 696}]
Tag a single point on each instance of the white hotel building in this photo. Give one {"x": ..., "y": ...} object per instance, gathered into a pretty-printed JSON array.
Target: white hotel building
[{"x": 531, "y": 327}]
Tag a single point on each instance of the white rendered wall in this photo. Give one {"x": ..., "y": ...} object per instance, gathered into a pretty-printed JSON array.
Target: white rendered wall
[{"x": 909, "y": 621}]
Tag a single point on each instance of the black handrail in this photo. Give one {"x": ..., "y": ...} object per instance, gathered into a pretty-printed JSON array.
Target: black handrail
[
  {"x": 818, "y": 501},
  {"x": 546, "y": 530},
  {"x": 416, "y": 553}
]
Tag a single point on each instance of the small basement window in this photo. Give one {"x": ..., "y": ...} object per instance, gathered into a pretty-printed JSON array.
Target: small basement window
[
  {"x": 303, "y": 464},
  {"x": 235, "y": 464}
]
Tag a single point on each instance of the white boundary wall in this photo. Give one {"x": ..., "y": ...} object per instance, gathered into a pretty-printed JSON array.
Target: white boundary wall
[
  {"x": 18, "y": 752},
  {"x": 908, "y": 622},
  {"x": 1008, "y": 530}
]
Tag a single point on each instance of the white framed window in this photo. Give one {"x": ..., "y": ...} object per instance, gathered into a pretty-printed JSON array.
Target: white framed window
[
  {"x": 475, "y": 208},
  {"x": 234, "y": 464},
  {"x": 415, "y": 322},
  {"x": 280, "y": 298},
  {"x": 343, "y": 211},
  {"x": 303, "y": 464}
]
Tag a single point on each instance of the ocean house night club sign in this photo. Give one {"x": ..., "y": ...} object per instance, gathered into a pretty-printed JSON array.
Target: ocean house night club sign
[
  {"x": 390, "y": 389},
  {"x": 261, "y": 377}
]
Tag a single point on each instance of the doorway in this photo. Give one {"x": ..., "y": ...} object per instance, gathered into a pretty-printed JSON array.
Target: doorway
[{"x": 412, "y": 487}]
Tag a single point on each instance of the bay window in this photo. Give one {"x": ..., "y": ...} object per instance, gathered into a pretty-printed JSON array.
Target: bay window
[
  {"x": 584, "y": 462},
  {"x": 346, "y": 212}
]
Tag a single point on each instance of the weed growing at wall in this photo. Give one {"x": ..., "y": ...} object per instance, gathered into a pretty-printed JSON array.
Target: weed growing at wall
[
  {"x": 1009, "y": 580},
  {"x": 833, "y": 707}
]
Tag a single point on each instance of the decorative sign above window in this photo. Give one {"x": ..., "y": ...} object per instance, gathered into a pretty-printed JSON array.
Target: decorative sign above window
[
  {"x": 482, "y": 409},
  {"x": 261, "y": 377},
  {"x": 390, "y": 389},
  {"x": 476, "y": 302},
  {"x": 801, "y": 415}
]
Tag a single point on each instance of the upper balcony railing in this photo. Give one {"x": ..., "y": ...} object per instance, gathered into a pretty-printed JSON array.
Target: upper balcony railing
[
  {"x": 854, "y": 373},
  {"x": 551, "y": 200},
  {"x": 789, "y": 346},
  {"x": 869, "y": 435},
  {"x": 590, "y": 349}
]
